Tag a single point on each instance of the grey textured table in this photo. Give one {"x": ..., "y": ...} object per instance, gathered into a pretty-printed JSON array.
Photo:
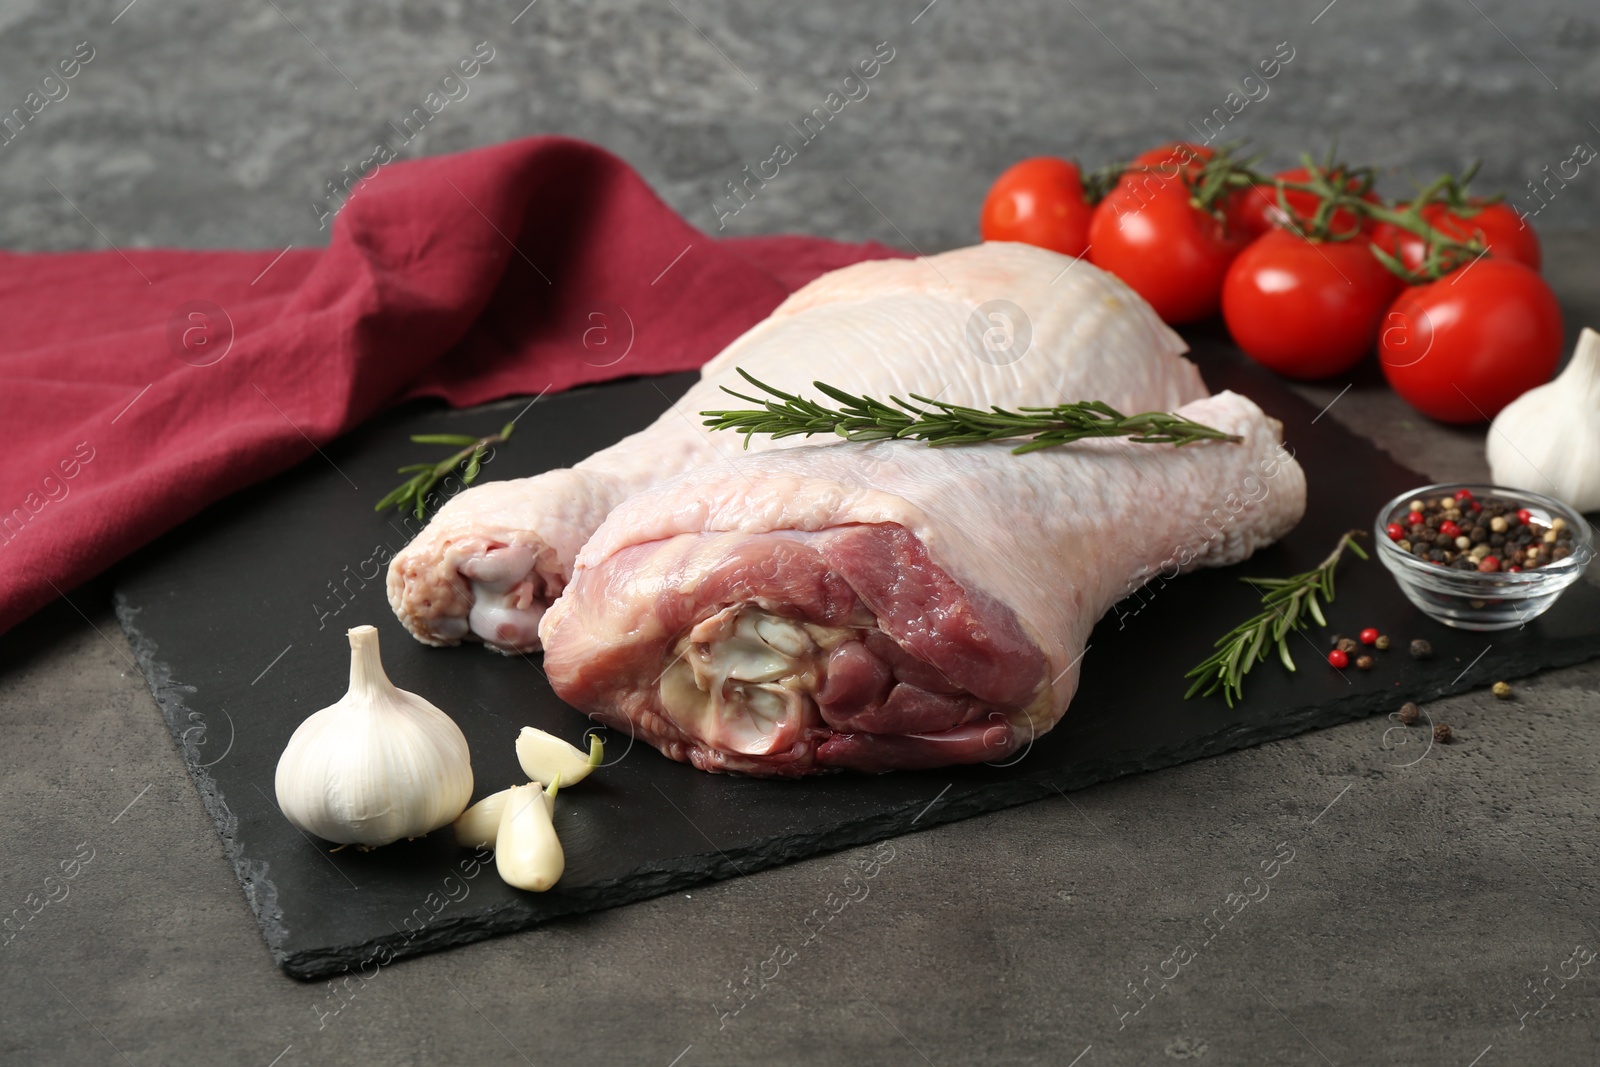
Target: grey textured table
[{"x": 1421, "y": 899}]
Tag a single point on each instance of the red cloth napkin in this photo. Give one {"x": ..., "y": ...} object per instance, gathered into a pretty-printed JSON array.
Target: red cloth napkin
[{"x": 138, "y": 386}]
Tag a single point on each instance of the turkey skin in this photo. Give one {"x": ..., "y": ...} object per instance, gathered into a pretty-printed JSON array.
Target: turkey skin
[
  {"x": 893, "y": 605},
  {"x": 998, "y": 323}
]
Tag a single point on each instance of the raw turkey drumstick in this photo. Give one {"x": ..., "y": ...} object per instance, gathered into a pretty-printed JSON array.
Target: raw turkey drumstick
[
  {"x": 493, "y": 558},
  {"x": 892, "y": 605}
]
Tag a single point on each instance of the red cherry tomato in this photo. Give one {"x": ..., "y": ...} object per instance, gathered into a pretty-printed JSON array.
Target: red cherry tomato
[
  {"x": 1497, "y": 225},
  {"x": 1172, "y": 159},
  {"x": 1253, "y": 210},
  {"x": 1259, "y": 207},
  {"x": 1306, "y": 309},
  {"x": 1038, "y": 202},
  {"x": 1171, "y": 253},
  {"x": 1463, "y": 347}
]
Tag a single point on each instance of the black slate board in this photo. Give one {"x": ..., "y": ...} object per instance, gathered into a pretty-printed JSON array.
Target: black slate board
[{"x": 236, "y": 627}]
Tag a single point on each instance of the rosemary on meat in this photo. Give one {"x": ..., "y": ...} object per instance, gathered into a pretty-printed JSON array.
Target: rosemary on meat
[
  {"x": 861, "y": 418},
  {"x": 1287, "y": 602},
  {"x": 413, "y": 492}
]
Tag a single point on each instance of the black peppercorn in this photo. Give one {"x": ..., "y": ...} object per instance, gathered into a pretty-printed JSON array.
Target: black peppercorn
[
  {"x": 1409, "y": 713},
  {"x": 1421, "y": 649},
  {"x": 1347, "y": 645},
  {"x": 1441, "y": 732},
  {"x": 1364, "y": 662}
]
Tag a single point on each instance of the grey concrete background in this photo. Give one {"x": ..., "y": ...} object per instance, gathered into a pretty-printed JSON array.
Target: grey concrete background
[
  {"x": 1419, "y": 906},
  {"x": 217, "y": 123}
]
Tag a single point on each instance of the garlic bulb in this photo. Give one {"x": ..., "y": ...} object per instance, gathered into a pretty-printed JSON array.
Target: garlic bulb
[
  {"x": 1548, "y": 439},
  {"x": 544, "y": 756},
  {"x": 379, "y": 765},
  {"x": 527, "y": 852}
]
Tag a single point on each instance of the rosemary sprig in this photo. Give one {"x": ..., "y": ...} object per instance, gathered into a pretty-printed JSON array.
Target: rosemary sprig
[
  {"x": 1287, "y": 601},
  {"x": 413, "y": 492},
  {"x": 861, "y": 418}
]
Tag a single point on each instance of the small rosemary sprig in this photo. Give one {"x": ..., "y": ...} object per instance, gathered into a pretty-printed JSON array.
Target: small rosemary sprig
[
  {"x": 1287, "y": 601},
  {"x": 861, "y": 418},
  {"x": 413, "y": 492}
]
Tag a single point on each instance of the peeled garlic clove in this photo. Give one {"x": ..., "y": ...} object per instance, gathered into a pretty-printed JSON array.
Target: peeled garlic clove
[
  {"x": 379, "y": 765},
  {"x": 544, "y": 755},
  {"x": 478, "y": 825},
  {"x": 527, "y": 852},
  {"x": 1546, "y": 440}
]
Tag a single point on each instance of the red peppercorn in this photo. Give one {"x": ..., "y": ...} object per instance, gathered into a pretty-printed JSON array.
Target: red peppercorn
[
  {"x": 1369, "y": 636},
  {"x": 1476, "y": 506},
  {"x": 1524, "y": 516},
  {"x": 1489, "y": 564},
  {"x": 1463, "y": 494},
  {"x": 1514, "y": 569},
  {"x": 1395, "y": 531},
  {"x": 1338, "y": 658},
  {"x": 1449, "y": 529},
  {"x": 1414, "y": 518}
]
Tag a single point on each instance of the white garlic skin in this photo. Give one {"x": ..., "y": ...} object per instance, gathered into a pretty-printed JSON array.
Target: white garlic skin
[
  {"x": 1548, "y": 439},
  {"x": 379, "y": 765}
]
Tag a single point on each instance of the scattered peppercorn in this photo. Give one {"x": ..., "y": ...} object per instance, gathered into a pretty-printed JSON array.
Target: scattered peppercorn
[
  {"x": 1441, "y": 732},
  {"x": 1409, "y": 713},
  {"x": 1369, "y": 635},
  {"x": 1338, "y": 658},
  {"x": 1382, "y": 643},
  {"x": 1502, "y": 690},
  {"x": 1421, "y": 649},
  {"x": 1364, "y": 662},
  {"x": 1347, "y": 645}
]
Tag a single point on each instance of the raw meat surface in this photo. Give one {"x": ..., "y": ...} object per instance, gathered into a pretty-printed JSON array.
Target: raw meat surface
[
  {"x": 494, "y": 557},
  {"x": 892, "y": 605}
]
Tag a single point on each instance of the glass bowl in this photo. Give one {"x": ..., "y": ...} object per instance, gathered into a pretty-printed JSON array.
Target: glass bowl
[{"x": 1474, "y": 600}]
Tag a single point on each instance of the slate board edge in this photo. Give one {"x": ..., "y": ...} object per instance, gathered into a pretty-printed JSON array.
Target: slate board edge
[{"x": 261, "y": 893}]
